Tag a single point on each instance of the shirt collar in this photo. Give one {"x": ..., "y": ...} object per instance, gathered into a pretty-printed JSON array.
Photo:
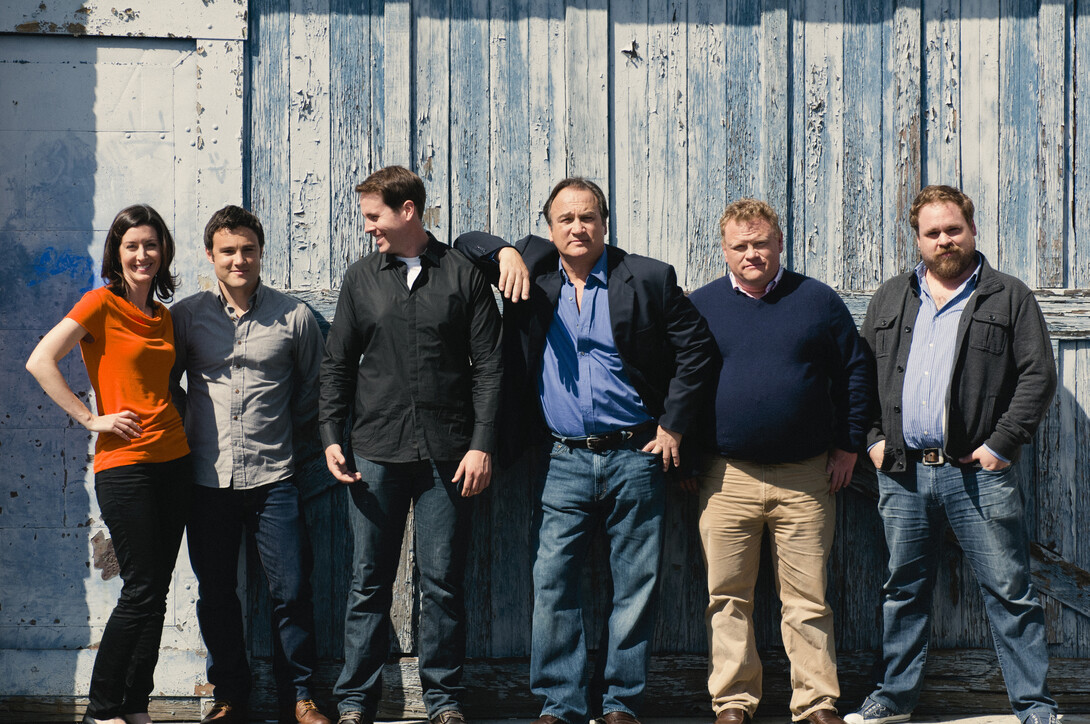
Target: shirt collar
[
  {"x": 968, "y": 284},
  {"x": 771, "y": 285},
  {"x": 597, "y": 272},
  {"x": 229, "y": 308},
  {"x": 428, "y": 257}
]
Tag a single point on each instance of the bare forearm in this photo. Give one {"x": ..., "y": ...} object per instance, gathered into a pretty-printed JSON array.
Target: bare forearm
[{"x": 49, "y": 376}]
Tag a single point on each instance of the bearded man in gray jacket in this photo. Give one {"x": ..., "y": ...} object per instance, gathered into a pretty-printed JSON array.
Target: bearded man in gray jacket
[{"x": 965, "y": 374}]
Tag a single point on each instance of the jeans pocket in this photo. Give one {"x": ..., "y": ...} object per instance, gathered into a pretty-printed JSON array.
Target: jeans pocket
[{"x": 558, "y": 449}]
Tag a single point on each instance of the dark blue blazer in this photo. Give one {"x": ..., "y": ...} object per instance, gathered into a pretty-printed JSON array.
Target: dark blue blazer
[{"x": 664, "y": 344}]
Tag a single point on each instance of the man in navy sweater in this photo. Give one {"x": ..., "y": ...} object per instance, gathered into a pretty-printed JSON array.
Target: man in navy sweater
[{"x": 791, "y": 414}]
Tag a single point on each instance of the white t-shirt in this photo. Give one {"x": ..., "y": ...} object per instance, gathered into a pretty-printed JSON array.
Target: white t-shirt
[{"x": 413, "y": 264}]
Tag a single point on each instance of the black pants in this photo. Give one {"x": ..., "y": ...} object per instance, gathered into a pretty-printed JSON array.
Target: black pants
[{"x": 144, "y": 507}]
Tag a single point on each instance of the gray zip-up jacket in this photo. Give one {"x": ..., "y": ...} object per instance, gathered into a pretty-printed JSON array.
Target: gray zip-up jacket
[{"x": 1003, "y": 379}]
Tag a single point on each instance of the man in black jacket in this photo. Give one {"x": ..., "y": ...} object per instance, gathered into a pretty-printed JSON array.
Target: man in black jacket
[
  {"x": 965, "y": 374},
  {"x": 608, "y": 365}
]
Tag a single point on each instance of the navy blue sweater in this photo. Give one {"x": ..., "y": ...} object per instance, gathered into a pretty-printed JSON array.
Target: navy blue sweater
[{"x": 795, "y": 380}]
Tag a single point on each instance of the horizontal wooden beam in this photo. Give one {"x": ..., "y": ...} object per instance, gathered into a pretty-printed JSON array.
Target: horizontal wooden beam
[
  {"x": 961, "y": 681},
  {"x": 1067, "y": 311}
]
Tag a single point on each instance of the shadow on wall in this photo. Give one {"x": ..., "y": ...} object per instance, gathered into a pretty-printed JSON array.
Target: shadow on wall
[{"x": 53, "y": 544}]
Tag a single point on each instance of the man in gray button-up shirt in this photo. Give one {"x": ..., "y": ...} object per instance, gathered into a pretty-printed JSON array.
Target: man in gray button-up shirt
[{"x": 250, "y": 355}]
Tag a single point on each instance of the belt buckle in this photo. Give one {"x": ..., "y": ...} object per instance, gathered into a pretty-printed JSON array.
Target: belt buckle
[
  {"x": 593, "y": 442},
  {"x": 933, "y": 456}
]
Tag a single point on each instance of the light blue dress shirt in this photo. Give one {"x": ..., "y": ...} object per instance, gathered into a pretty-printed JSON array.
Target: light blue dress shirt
[
  {"x": 931, "y": 363},
  {"x": 583, "y": 386}
]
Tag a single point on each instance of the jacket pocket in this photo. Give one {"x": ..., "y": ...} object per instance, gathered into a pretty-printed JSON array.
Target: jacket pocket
[
  {"x": 885, "y": 332},
  {"x": 989, "y": 331}
]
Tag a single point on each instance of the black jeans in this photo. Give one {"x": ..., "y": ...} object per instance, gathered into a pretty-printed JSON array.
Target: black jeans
[
  {"x": 144, "y": 507},
  {"x": 271, "y": 517}
]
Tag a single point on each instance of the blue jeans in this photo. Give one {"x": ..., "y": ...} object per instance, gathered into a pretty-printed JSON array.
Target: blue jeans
[
  {"x": 271, "y": 518},
  {"x": 144, "y": 506},
  {"x": 986, "y": 513},
  {"x": 624, "y": 490},
  {"x": 380, "y": 504}
]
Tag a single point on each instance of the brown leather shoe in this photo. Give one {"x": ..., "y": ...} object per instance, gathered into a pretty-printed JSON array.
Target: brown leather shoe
[
  {"x": 306, "y": 712},
  {"x": 449, "y": 716},
  {"x": 733, "y": 716},
  {"x": 619, "y": 717},
  {"x": 547, "y": 719},
  {"x": 825, "y": 716},
  {"x": 224, "y": 712}
]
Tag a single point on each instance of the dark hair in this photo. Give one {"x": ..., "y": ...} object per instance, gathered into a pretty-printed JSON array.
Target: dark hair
[
  {"x": 577, "y": 182},
  {"x": 233, "y": 217},
  {"x": 112, "y": 273},
  {"x": 396, "y": 185},
  {"x": 936, "y": 194}
]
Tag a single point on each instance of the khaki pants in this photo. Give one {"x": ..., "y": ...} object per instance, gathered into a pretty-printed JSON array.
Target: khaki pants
[{"x": 738, "y": 500}]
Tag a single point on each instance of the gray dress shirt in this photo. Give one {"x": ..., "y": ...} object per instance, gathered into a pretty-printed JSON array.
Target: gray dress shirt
[{"x": 252, "y": 380}]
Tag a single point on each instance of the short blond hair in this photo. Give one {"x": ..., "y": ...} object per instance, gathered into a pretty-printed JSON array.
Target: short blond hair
[{"x": 748, "y": 209}]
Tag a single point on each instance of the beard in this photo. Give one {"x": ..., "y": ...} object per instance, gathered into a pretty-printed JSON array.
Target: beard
[{"x": 951, "y": 263}]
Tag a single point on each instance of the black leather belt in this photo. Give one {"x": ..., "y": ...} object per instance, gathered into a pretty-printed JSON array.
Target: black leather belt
[
  {"x": 927, "y": 456},
  {"x": 605, "y": 440}
]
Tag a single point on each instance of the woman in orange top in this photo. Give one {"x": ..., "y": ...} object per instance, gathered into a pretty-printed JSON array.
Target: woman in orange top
[{"x": 141, "y": 463}]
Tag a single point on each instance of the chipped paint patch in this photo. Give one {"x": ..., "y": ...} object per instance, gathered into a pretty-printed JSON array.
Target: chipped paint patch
[{"x": 105, "y": 559}]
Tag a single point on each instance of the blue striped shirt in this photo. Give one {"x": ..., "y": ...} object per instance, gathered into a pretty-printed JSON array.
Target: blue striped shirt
[
  {"x": 931, "y": 363},
  {"x": 583, "y": 386}
]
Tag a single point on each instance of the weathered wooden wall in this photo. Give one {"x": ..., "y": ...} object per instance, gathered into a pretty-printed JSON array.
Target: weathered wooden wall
[{"x": 837, "y": 112}]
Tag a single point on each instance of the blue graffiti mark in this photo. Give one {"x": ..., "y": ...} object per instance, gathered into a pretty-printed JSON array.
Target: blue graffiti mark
[{"x": 53, "y": 262}]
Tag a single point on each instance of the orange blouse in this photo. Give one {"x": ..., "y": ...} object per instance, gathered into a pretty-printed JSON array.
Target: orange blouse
[{"x": 128, "y": 359}]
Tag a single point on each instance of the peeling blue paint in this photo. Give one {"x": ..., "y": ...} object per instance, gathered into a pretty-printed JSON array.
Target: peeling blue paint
[{"x": 53, "y": 262}]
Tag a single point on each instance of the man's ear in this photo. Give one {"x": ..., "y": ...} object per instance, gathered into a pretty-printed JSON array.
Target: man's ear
[{"x": 408, "y": 209}]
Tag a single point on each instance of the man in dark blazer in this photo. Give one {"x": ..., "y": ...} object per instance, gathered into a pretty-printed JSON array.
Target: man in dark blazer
[{"x": 606, "y": 362}]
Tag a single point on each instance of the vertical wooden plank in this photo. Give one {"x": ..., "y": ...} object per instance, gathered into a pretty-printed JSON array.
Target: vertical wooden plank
[
  {"x": 706, "y": 151},
  {"x": 857, "y": 563},
  {"x": 1019, "y": 217},
  {"x": 901, "y": 160},
  {"x": 863, "y": 143},
  {"x": 775, "y": 135},
  {"x": 351, "y": 119},
  {"x": 510, "y": 187},
  {"x": 741, "y": 102},
  {"x": 1052, "y": 144},
  {"x": 1077, "y": 397},
  {"x": 667, "y": 135},
  {"x": 269, "y": 151},
  {"x": 1078, "y": 275},
  {"x": 509, "y": 194},
  {"x": 587, "y": 69},
  {"x": 630, "y": 158},
  {"x": 548, "y": 106},
  {"x": 398, "y": 82},
  {"x": 1057, "y": 493},
  {"x": 309, "y": 143},
  {"x": 821, "y": 117},
  {"x": 469, "y": 116},
  {"x": 431, "y": 129},
  {"x": 941, "y": 92},
  {"x": 980, "y": 150},
  {"x": 469, "y": 192}
]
